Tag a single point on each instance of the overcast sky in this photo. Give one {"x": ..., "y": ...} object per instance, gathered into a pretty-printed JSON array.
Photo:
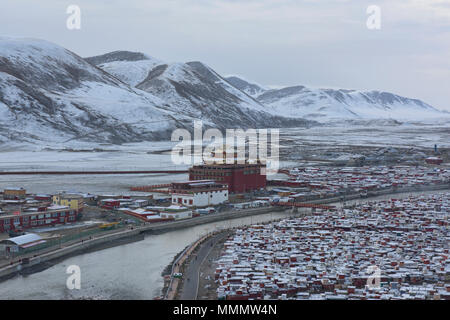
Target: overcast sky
[{"x": 322, "y": 43}]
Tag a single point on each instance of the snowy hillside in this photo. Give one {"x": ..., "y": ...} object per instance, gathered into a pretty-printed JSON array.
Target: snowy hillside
[
  {"x": 48, "y": 93},
  {"x": 329, "y": 104},
  {"x": 191, "y": 88},
  {"x": 130, "y": 67},
  {"x": 252, "y": 89}
]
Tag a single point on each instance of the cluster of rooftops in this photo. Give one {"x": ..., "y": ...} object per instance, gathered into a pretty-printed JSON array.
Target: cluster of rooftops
[
  {"x": 402, "y": 244},
  {"x": 334, "y": 179}
]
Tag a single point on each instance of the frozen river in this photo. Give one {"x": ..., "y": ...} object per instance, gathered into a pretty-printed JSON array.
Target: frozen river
[{"x": 130, "y": 271}]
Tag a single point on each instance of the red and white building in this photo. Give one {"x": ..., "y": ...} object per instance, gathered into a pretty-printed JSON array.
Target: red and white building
[
  {"x": 110, "y": 203},
  {"x": 51, "y": 216},
  {"x": 433, "y": 160},
  {"x": 146, "y": 215},
  {"x": 200, "y": 193}
]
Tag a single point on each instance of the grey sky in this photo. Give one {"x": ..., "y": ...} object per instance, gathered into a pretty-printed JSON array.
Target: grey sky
[{"x": 273, "y": 42}]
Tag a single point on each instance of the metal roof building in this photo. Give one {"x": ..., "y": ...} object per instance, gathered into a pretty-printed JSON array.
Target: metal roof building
[{"x": 22, "y": 240}]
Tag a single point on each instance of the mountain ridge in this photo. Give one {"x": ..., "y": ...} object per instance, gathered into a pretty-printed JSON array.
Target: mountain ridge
[
  {"x": 50, "y": 94},
  {"x": 194, "y": 89},
  {"x": 330, "y": 104}
]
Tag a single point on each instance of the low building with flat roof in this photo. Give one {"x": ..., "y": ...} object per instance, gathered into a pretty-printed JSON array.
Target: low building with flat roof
[
  {"x": 14, "y": 193},
  {"x": 176, "y": 212},
  {"x": 201, "y": 193},
  {"x": 51, "y": 216}
]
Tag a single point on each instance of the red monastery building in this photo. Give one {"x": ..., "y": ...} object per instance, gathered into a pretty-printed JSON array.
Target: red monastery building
[{"x": 239, "y": 177}]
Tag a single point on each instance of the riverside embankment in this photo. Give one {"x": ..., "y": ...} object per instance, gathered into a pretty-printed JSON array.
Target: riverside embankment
[
  {"x": 188, "y": 265},
  {"x": 35, "y": 263},
  {"x": 128, "y": 271},
  {"x": 18, "y": 267}
]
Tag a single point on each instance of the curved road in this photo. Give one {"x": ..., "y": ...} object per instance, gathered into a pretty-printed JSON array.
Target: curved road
[{"x": 191, "y": 275}]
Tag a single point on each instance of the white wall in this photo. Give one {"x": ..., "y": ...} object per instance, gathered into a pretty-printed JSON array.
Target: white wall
[
  {"x": 177, "y": 215},
  {"x": 202, "y": 199}
]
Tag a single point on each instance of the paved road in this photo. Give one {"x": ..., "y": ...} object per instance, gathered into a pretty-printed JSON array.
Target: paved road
[{"x": 190, "y": 287}]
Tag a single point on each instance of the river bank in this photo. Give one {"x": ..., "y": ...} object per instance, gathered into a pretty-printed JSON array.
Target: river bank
[
  {"x": 207, "y": 283},
  {"x": 207, "y": 287},
  {"x": 188, "y": 286},
  {"x": 43, "y": 261}
]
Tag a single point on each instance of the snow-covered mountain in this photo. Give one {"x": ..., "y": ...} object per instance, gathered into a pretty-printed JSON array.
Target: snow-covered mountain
[
  {"x": 191, "y": 88},
  {"x": 252, "y": 89},
  {"x": 48, "y": 93},
  {"x": 325, "y": 105},
  {"x": 329, "y": 104}
]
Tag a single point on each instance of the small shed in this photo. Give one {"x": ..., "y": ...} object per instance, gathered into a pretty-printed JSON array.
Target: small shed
[{"x": 16, "y": 244}]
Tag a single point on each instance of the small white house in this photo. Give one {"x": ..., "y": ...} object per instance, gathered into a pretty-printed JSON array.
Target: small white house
[{"x": 176, "y": 212}]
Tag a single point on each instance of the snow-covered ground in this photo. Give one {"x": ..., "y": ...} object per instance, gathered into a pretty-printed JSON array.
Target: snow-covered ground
[
  {"x": 127, "y": 157},
  {"x": 404, "y": 135},
  {"x": 156, "y": 156}
]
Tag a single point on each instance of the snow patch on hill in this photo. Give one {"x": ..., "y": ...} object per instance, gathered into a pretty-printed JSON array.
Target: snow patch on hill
[{"x": 131, "y": 72}]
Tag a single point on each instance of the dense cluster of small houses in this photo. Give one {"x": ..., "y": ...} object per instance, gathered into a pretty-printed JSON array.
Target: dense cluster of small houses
[
  {"x": 361, "y": 179},
  {"x": 393, "y": 249}
]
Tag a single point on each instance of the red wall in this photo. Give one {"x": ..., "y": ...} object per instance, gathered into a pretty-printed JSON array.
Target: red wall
[
  {"x": 238, "y": 182},
  {"x": 27, "y": 225}
]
